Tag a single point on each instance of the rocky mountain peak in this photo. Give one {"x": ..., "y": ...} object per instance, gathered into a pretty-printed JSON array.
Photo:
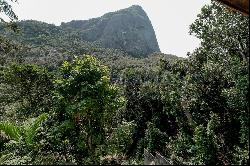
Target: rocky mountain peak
[{"x": 127, "y": 29}]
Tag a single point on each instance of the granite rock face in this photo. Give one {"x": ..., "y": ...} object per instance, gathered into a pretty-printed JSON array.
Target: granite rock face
[{"x": 128, "y": 29}]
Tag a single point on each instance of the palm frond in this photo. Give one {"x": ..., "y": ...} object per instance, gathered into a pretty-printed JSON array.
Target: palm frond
[
  {"x": 30, "y": 130},
  {"x": 11, "y": 130},
  {"x": 4, "y": 158}
]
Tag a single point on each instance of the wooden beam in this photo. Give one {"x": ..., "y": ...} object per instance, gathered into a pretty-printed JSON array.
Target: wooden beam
[{"x": 238, "y": 5}]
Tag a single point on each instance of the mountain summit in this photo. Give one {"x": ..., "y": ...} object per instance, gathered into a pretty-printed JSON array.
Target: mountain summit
[{"x": 127, "y": 29}]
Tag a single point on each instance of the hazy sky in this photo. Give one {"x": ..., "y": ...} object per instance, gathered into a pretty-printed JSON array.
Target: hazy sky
[{"x": 170, "y": 18}]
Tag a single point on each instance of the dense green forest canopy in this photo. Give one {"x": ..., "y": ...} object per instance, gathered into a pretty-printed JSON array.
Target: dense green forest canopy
[{"x": 64, "y": 100}]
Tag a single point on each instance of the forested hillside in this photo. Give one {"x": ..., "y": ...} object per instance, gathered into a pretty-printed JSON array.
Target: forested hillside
[
  {"x": 49, "y": 45},
  {"x": 67, "y": 100},
  {"x": 128, "y": 29}
]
